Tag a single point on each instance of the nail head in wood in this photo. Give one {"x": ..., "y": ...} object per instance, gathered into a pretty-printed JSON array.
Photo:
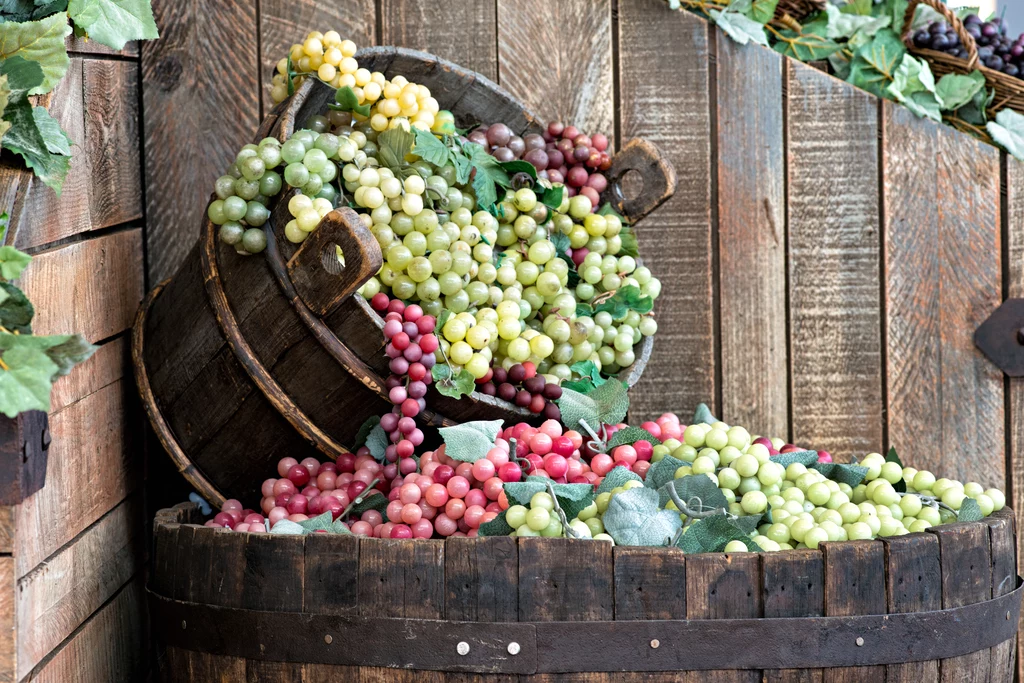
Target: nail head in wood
[
  {"x": 860, "y": 642},
  {"x": 513, "y": 648},
  {"x": 655, "y": 643},
  {"x": 462, "y": 648}
]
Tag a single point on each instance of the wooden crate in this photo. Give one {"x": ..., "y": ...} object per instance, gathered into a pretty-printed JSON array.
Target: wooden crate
[{"x": 71, "y": 554}]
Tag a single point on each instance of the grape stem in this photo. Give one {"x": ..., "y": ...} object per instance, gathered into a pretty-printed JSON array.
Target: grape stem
[
  {"x": 569, "y": 531},
  {"x": 932, "y": 502},
  {"x": 523, "y": 463},
  {"x": 597, "y": 444},
  {"x": 359, "y": 499}
]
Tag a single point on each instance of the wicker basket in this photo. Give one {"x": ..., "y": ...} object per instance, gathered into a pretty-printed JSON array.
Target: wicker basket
[
  {"x": 799, "y": 9},
  {"x": 1009, "y": 89}
]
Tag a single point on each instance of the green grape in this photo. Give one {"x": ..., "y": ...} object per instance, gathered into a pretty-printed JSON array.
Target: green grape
[
  {"x": 256, "y": 214},
  {"x": 293, "y": 150},
  {"x": 254, "y": 240},
  {"x": 231, "y": 233}
]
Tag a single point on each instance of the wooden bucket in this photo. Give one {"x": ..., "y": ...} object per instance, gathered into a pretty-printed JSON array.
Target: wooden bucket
[
  {"x": 229, "y": 606},
  {"x": 241, "y": 361}
]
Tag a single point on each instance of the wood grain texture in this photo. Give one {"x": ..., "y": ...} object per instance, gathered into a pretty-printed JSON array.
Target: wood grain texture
[
  {"x": 462, "y": 31},
  {"x": 481, "y": 579},
  {"x": 93, "y": 465},
  {"x": 106, "y": 366},
  {"x": 196, "y": 119},
  {"x": 97, "y": 104},
  {"x": 111, "y": 646},
  {"x": 399, "y": 579},
  {"x": 91, "y": 287},
  {"x": 834, "y": 280},
  {"x": 1004, "y": 580},
  {"x": 793, "y": 585},
  {"x": 90, "y": 47},
  {"x": 274, "y": 573},
  {"x": 854, "y": 584},
  {"x": 556, "y": 57},
  {"x": 943, "y": 279},
  {"x": 7, "y": 626},
  {"x": 58, "y": 596},
  {"x": 6, "y": 530},
  {"x": 913, "y": 578},
  {"x": 650, "y": 583},
  {"x": 331, "y": 581},
  {"x": 751, "y": 238},
  {"x": 655, "y": 48},
  {"x": 564, "y": 580},
  {"x": 1015, "y": 288},
  {"x": 286, "y": 22}
]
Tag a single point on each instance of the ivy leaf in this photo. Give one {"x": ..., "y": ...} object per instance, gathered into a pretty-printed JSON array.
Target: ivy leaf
[
  {"x": 874, "y": 65},
  {"x": 976, "y": 111},
  {"x": 12, "y": 262},
  {"x": 805, "y": 47},
  {"x": 584, "y": 310},
  {"x": 589, "y": 370},
  {"x": 844, "y": 25},
  {"x": 662, "y": 472},
  {"x": 114, "y": 22},
  {"x": 364, "y": 431},
  {"x": 896, "y": 10},
  {"x": 429, "y": 148},
  {"x": 377, "y": 441},
  {"x": 914, "y": 86},
  {"x": 840, "y": 63},
  {"x": 805, "y": 458},
  {"x": 891, "y": 456},
  {"x": 762, "y": 11},
  {"x": 616, "y": 478},
  {"x": 458, "y": 386},
  {"x": 695, "y": 486},
  {"x": 624, "y": 300},
  {"x": 16, "y": 10},
  {"x": 630, "y": 435},
  {"x": 496, "y": 527},
  {"x": 956, "y": 90},
  {"x": 711, "y": 534},
  {"x": 703, "y": 415},
  {"x": 5, "y": 95},
  {"x": 345, "y": 100},
  {"x": 56, "y": 140},
  {"x": 41, "y": 42},
  {"x": 970, "y": 511},
  {"x": 851, "y": 475},
  {"x": 470, "y": 441},
  {"x": 26, "y": 384},
  {"x": 633, "y": 518},
  {"x": 739, "y": 27},
  {"x": 1008, "y": 131},
  {"x": 606, "y": 404},
  {"x": 629, "y": 243},
  {"x": 16, "y": 311}
]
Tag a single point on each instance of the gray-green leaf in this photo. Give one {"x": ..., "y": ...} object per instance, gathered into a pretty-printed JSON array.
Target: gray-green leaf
[
  {"x": 1008, "y": 131},
  {"x": 703, "y": 415},
  {"x": 874, "y": 64},
  {"x": 956, "y": 90},
  {"x": 969, "y": 511},
  {"x": 605, "y": 404},
  {"x": 377, "y": 441},
  {"x": 914, "y": 85},
  {"x": 114, "y": 22},
  {"x": 470, "y": 441},
  {"x": 633, "y": 518},
  {"x": 739, "y": 27},
  {"x": 616, "y": 478},
  {"x": 12, "y": 262},
  {"x": 843, "y": 25},
  {"x": 692, "y": 487}
]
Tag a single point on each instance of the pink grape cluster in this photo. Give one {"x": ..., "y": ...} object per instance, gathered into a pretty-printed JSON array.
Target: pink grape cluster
[
  {"x": 411, "y": 344},
  {"x": 548, "y": 451}
]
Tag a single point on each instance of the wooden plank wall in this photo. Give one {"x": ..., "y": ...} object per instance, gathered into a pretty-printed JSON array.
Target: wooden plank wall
[{"x": 71, "y": 555}]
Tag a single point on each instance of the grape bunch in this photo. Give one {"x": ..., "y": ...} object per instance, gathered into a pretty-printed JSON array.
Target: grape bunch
[
  {"x": 996, "y": 49},
  {"x": 411, "y": 344},
  {"x": 562, "y": 154},
  {"x": 521, "y": 385},
  {"x": 243, "y": 194}
]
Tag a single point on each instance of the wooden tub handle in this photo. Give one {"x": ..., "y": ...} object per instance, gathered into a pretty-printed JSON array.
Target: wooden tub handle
[
  {"x": 320, "y": 278},
  {"x": 657, "y": 175}
]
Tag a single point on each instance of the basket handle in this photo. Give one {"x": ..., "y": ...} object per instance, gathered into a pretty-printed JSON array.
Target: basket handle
[
  {"x": 656, "y": 173},
  {"x": 320, "y": 279},
  {"x": 966, "y": 39}
]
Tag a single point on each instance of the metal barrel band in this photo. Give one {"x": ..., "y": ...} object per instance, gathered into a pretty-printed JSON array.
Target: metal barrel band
[{"x": 568, "y": 647}]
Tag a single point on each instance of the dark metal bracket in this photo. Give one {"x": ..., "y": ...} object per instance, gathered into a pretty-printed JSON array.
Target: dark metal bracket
[
  {"x": 24, "y": 447},
  {"x": 1001, "y": 337}
]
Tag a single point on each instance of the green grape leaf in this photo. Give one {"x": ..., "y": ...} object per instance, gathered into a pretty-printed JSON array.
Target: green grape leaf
[
  {"x": 114, "y": 22},
  {"x": 914, "y": 86},
  {"x": 969, "y": 511},
  {"x": 12, "y": 262},
  {"x": 26, "y": 383},
  {"x": 56, "y": 140},
  {"x": 323, "y": 522},
  {"x": 442, "y": 319},
  {"x": 377, "y": 441},
  {"x": 840, "y": 63},
  {"x": 874, "y": 65},
  {"x": 956, "y": 90},
  {"x": 45, "y": 8},
  {"x": 805, "y": 46},
  {"x": 519, "y": 166},
  {"x": 589, "y": 370},
  {"x": 609, "y": 210},
  {"x": 24, "y": 138},
  {"x": 747, "y": 523},
  {"x": 1008, "y": 131},
  {"x": 630, "y": 435},
  {"x": 463, "y": 168},
  {"x": 711, "y": 534},
  {"x": 703, "y": 415},
  {"x": 584, "y": 310},
  {"x": 488, "y": 175},
  {"x": 345, "y": 100},
  {"x": 372, "y": 501},
  {"x": 896, "y": 10},
  {"x": 606, "y": 404},
  {"x": 16, "y": 10},
  {"x": 551, "y": 197},
  {"x": 805, "y": 458},
  {"x": 629, "y": 243},
  {"x": 470, "y": 441},
  {"x": 16, "y": 311},
  {"x": 762, "y": 11},
  {"x": 5, "y": 95},
  {"x": 67, "y": 351},
  {"x": 663, "y": 471},
  {"x": 429, "y": 148},
  {"x": 41, "y": 42},
  {"x": 496, "y": 527},
  {"x": 462, "y": 384},
  {"x": 851, "y": 475},
  {"x": 693, "y": 487},
  {"x": 844, "y": 25},
  {"x": 891, "y": 456},
  {"x": 22, "y": 75},
  {"x": 393, "y": 146},
  {"x": 624, "y": 300},
  {"x": 633, "y": 518},
  {"x": 739, "y": 27},
  {"x": 616, "y": 478},
  {"x": 571, "y": 497},
  {"x": 975, "y": 112},
  {"x": 286, "y": 527},
  {"x": 364, "y": 431}
]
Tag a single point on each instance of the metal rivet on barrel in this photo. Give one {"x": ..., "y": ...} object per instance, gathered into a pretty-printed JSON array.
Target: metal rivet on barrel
[
  {"x": 655, "y": 643},
  {"x": 328, "y": 639},
  {"x": 860, "y": 642},
  {"x": 462, "y": 648},
  {"x": 183, "y": 623},
  {"x": 513, "y": 648}
]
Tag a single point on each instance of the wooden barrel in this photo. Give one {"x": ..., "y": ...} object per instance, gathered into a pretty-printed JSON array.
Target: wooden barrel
[
  {"x": 242, "y": 360},
  {"x": 228, "y": 606}
]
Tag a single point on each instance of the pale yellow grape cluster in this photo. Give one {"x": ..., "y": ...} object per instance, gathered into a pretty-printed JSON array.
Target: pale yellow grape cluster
[
  {"x": 467, "y": 341},
  {"x": 405, "y": 104},
  {"x": 332, "y": 60},
  {"x": 306, "y": 215}
]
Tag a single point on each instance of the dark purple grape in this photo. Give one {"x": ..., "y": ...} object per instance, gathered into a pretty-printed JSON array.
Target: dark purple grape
[
  {"x": 551, "y": 412},
  {"x": 989, "y": 30},
  {"x": 523, "y": 399},
  {"x": 938, "y": 27},
  {"x": 498, "y": 135},
  {"x": 974, "y": 31},
  {"x": 487, "y": 388},
  {"x": 503, "y": 154},
  {"x": 1011, "y": 70},
  {"x": 996, "y": 63},
  {"x": 517, "y": 373},
  {"x": 506, "y": 392},
  {"x": 939, "y": 42},
  {"x": 500, "y": 375},
  {"x": 552, "y": 392},
  {"x": 537, "y": 157},
  {"x": 534, "y": 385},
  {"x": 479, "y": 137},
  {"x": 533, "y": 141},
  {"x": 972, "y": 19},
  {"x": 556, "y": 158},
  {"x": 517, "y": 145}
]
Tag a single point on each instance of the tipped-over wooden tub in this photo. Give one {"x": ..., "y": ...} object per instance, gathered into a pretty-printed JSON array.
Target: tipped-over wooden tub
[
  {"x": 242, "y": 360},
  {"x": 229, "y": 606}
]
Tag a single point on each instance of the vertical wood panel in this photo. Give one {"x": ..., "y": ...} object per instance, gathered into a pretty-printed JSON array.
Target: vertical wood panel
[
  {"x": 752, "y": 238},
  {"x": 854, "y": 584},
  {"x": 664, "y": 98},
  {"x": 7, "y": 633},
  {"x": 201, "y": 104},
  {"x": 1015, "y": 288},
  {"x": 556, "y": 57},
  {"x": 832, "y": 188},
  {"x": 285, "y": 22},
  {"x": 463, "y": 31},
  {"x": 913, "y": 581},
  {"x": 1004, "y": 580},
  {"x": 650, "y": 583},
  {"x": 794, "y": 586},
  {"x": 942, "y": 211}
]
